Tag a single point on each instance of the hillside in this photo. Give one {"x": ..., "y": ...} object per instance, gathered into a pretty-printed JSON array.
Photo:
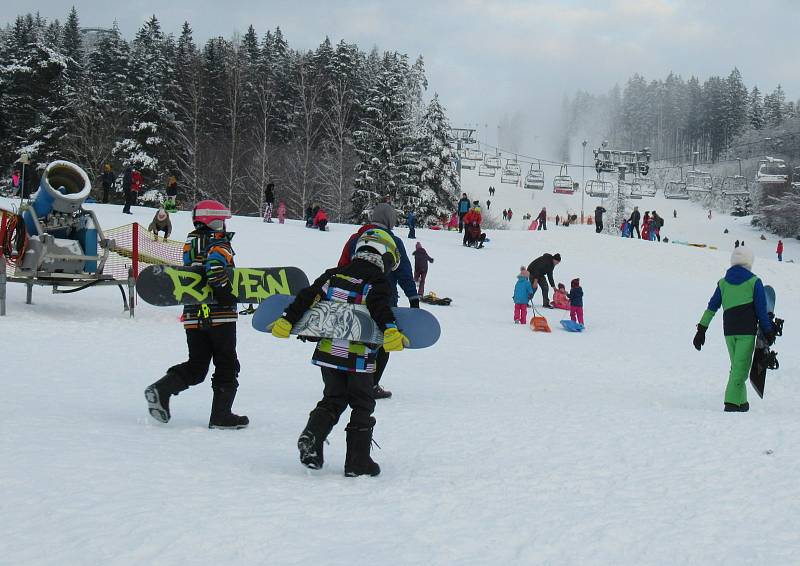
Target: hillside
[{"x": 499, "y": 445}]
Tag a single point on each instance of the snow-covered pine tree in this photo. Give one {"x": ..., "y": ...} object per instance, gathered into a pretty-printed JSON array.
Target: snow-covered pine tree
[
  {"x": 383, "y": 140},
  {"x": 736, "y": 104},
  {"x": 774, "y": 107},
  {"x": 31, "y": 102},
  {"x": 436, "y": 177},
  {"x": 755, "y": 109},
  {"x": 187, "y": 99},
  {"x": 147, "y": 147},
  {"x": 107, "y": 77}
]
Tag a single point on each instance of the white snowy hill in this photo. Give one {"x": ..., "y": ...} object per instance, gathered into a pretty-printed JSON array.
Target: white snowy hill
[{"x": 500, "y": 445}]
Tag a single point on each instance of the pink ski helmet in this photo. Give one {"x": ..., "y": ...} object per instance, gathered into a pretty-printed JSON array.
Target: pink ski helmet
[{"x": 210, "y": 213}]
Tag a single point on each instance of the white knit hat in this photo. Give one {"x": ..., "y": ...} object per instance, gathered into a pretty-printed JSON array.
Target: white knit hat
[{"x": 742, "y": 256}]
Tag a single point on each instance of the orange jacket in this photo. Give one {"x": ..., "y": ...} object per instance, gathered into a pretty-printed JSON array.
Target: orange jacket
[{"x": 472, "y": 216}]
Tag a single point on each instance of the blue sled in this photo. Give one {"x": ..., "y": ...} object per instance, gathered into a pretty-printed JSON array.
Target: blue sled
[{"x": 572, "y": 326}]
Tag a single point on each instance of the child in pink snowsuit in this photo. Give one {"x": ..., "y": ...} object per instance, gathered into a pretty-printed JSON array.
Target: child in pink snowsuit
[
  {"x": 523, "y": 292},
  {"x": 560, "y": 298},
  {"x": 281, "y": 212},
  {"x": 576, "y": 301}
]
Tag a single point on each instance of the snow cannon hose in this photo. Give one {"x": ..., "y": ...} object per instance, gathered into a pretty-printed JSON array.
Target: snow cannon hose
[{"x": 63, "y": 188}]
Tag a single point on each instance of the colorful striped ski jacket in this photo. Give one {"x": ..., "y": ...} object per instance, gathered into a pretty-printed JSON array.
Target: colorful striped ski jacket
[
  {"x": 213, "y": 251},
  {"x": 359, "y": 282}
]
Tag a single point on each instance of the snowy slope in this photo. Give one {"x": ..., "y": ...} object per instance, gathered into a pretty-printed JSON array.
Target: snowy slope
[
  {"x": 692, "y": 223},
  {"x": 499, "y": 446}
]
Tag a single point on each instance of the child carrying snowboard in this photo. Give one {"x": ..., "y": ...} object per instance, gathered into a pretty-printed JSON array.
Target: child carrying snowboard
[
  {"x": 742, "y": 298},
  {"x": 523, "y": 292},
  {"x": 348, "y": 367},
  {"x": 560, "y": 298},
  {"x": 210, "y": 328},
  {"x": 576, "y": 301}
]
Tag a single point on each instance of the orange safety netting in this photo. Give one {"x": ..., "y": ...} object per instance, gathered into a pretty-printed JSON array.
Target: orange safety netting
[{"x": 137, "y": 248}]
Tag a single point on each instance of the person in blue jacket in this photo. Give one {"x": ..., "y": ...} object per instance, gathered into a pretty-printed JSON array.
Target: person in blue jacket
[
  {"x": 411, "y": 222},
  {"x": 384, "y": 216},
  {"x": 523, "y": 292},
  {"x": 463, "y": 207}
]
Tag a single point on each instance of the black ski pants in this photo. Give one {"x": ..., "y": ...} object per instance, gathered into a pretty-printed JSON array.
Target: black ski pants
[
  {"x": 635, "y": 227},
  {"x": 130, "y": 200},
  {"x": 542, "y": 224},
  {"x": 545, "y": 291},
  {"x": 343, "y": 388},
  {"x": 217, "y": 343},
  {"x": 461, "y": 216},
  {"x": 598, "y": 226}
]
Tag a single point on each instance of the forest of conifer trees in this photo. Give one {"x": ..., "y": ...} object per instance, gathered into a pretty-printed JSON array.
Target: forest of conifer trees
[{"x": 336, "y": 126}]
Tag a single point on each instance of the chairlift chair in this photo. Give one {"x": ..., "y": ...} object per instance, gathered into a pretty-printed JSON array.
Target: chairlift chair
[
  {"x": 535, "y": 178},
  {"x": 492, "y": 161},
  {"x": 648, "y": 187},
  {"x": 468, "y": 164},
  {"x": 598, "y": 188},
  {"x": 772, "y": 171},
  {"x": 474, "y": 154},
  {"x": 511, "y": 172},
  {"x": 676, "y": 190},
  {"x": 562, "y": 183},
  {"x": 485, "y": 171},
  {"x": 634, "y": 189},
  {"x": 699, "y": 182},
  {"x": 735, "y": 186}
]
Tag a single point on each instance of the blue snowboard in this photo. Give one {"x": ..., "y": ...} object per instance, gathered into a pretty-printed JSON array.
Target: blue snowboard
[
  {"x": 572, "y": 326},
  {"x": 762, "y": 355},
  {"x": 343, "y": 321}
]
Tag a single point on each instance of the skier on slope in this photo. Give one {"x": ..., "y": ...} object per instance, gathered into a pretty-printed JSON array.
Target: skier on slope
[
  {"x": 210, "y": 328},
  {"x": 384, "y": 216},
  {"x": 741, "y": 295},
  {"x": 348, "y": 367}
]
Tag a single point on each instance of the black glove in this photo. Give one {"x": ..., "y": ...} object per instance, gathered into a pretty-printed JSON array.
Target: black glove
[
  {"x": 224, "y": 295},
  {"x": 769, "y": 337},
  {"x": 700, "y": 337},
  {"x": 413, "y": 303}
]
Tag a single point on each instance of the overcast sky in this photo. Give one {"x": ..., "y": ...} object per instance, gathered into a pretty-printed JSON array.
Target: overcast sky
[{"x": 488, "y": 59}]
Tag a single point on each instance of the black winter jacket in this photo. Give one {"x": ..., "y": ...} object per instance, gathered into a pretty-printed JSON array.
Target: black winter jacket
[{"x": 542, "y": 267}]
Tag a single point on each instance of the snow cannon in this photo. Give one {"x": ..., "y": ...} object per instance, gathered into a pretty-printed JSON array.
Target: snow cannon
[
  {"x": 63, "y": 188},
  {"x": 63, "y": 237}
]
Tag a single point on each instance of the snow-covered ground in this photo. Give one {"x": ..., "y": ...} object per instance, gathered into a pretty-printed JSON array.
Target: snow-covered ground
[{"x": 500, "y": 445}]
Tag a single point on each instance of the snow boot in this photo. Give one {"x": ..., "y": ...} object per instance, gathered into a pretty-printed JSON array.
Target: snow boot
[
  {"x": 379, "y": 392},
  {"x": 734, "y": 408},
  {"x": 157, "y": 395},
  {"x": 358, "y": 461},
  {"x": 221, "y": 415},
  {"x": 312, "y": 439}
]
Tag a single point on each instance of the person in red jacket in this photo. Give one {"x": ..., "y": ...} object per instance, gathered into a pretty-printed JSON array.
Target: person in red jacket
[
  {"x": 321, "y": 220},
  {"x": 472, "y": 227},
  {"x": 136, "y": 186},
  {"x": 779, "y": 250}
]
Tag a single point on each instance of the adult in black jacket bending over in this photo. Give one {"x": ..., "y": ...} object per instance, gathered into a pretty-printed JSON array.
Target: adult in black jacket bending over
[{"x": 540, "y": 273}]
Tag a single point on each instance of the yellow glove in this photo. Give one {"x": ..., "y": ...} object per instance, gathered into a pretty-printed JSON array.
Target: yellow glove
[
  {"x": 394, "y": 340},
  {"x": 281, "y": 328}
]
